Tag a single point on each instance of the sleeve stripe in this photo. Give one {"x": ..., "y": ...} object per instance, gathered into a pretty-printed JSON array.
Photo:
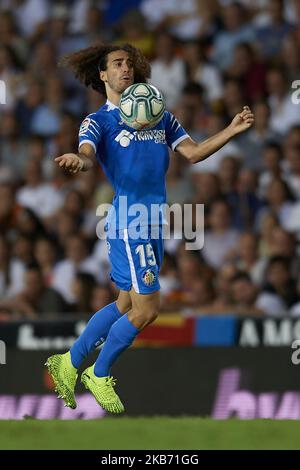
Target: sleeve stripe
[
  {"x": 92, "y": 132},
  {"x": 87, "y": 141},
  {"x": 177, "y": 141},
  {"x": 95, "y": 128},
  {"x": 95, "y": 123}
]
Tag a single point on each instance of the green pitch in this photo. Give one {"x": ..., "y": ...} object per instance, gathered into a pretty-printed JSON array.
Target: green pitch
[{"x": 150, "y": 433}]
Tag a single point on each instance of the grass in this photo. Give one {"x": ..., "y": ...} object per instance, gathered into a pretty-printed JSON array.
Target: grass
[{"x": 161, "y": 433}]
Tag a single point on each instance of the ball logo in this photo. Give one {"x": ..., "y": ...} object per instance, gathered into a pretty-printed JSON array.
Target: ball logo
[
  {"x": 141, "y": 106},
  {"x": 149, "y": 278}
]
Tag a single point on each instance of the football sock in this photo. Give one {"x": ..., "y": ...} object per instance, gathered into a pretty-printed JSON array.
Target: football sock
[
  {"x": 95, "y": 332},
  {"x": 120, "y": 336}
]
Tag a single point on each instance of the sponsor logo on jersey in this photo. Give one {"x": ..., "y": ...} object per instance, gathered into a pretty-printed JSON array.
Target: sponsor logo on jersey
[
  {"x": 125, "y": 137},
  {"x": 149, "y": 277}
]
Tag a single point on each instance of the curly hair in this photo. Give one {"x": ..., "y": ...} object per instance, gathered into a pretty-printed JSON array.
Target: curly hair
[{"x": 87, "y": 63}]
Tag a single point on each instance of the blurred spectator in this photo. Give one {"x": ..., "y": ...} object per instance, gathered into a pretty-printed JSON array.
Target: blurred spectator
[
  {"x": 244, "y": 201},
  {"x": 283, "y": 243},
  {"x": 220, "y": 238},
  {"x": 167, "y": 71},
  {"x": 279, "y": 292},
  {"x": 268, "y": 223},
  {"x": 295, "y": 308},
  {"x": 9, "y": 35},
  {"x": 258, "y": 136},
  {"x": 168, "y": 276},
  {"x": 31, "y": 15},
  {"x": 290, "y": 56},
  {"x": 74, "y": 205},
  {"x": 12, "y": 144},
  {"x": 43, "y": 61},
  {"x": 178, "y": 184},
  {"x": 132, "y": 30},
  {"x": 29, "y": 104},
  {"x": 236, "y": 30},
  {"x": 222, "y": 288},
  {"x": 41, "y": 197},
  {"x": 244, "y": 294},
  {"x": 272, "y": 156},
  {"x": 9, "y": 74},
  {"x": 102, "y": 295},
  {"x": 198, "y": 70},
  {"x": 271, "y": 36},
  {"x": 206, "y": 188},
  {"x": 82, "y": 288},
  {"x": 228, "y": 175},
  {"x": 214, "y": 125},
  {"x": 234, "y": 98},
  {"x": 35, "y": 299},
  {"x": 94, "y": 27},
  {"x": 280, "y": 202},
  {"x": 46, "y": 254},
  {"x": 178, "y": 17},
  {"x": 199, "y": 295},
  {"x": 28, "y": 224},
  {"x": 47, "y": 119},
  {"x": 284, "y": 113},
  {"x": 11, "y": 271},
  {"x": 248, "y": 260},
  {"x": 87, "y": 17},
  {"x": 292, "y": 176},
  {"x": 63, "y": 226},
  {"x": 22, "y": 249},
  {"x": 245, "y": 67},
  {"x": 7, "y": 209},
  {"x": 77, "y": 260},
  {"x": 58, "y": 32}
]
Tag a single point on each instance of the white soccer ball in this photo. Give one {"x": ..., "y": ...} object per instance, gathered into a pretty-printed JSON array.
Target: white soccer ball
[{"x": 141, "y": 106}]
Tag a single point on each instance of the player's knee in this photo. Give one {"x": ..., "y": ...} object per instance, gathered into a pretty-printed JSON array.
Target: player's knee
[
  {"x": 150, "y": 316},
  {"x": 123, "y": 303},
  {"x": 143, "y": 318}
]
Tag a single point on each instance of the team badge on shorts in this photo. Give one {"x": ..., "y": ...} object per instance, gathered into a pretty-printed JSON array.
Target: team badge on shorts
[{"x": 149, "y": 277}]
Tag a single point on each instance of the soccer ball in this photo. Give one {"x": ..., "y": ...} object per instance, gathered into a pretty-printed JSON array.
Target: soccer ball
[{"x": 141, "y": 106}]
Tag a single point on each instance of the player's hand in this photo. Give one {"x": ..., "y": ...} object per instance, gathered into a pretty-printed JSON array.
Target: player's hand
[
  {"x": 71, "y": 162},
  {"x": 242, "y": 121}
]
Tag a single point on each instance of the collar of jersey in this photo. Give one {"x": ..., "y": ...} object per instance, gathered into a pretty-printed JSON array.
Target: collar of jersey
[{"x": 110, "y": 105}]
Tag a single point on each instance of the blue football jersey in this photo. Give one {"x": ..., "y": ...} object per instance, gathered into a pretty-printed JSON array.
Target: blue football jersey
[{"x": 135, "y": 162}]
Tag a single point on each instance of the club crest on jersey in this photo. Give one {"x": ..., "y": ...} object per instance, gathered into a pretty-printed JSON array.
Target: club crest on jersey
[
  {"x": 149, "y": 278},
  {"x": 84, "y": 126}
]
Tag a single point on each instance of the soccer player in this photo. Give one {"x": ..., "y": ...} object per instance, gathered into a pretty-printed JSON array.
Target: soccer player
[{"x": 136, "y": 168}]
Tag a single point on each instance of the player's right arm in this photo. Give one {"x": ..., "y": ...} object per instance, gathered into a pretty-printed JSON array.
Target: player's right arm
[
  {"x": 89, "y": 137},
  {"x": 81, "y": 161}
]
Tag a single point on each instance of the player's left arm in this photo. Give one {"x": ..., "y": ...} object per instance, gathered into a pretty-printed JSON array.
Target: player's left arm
[{"x": 196, "y": 152}]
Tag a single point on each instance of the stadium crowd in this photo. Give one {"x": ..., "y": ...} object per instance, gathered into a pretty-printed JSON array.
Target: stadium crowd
[{"x": 209, "y": 58}]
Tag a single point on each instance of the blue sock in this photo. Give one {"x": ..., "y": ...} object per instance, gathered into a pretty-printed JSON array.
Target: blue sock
[
  {"x": 119, "y": 338},
  {"x": 96, "y": 330}
]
